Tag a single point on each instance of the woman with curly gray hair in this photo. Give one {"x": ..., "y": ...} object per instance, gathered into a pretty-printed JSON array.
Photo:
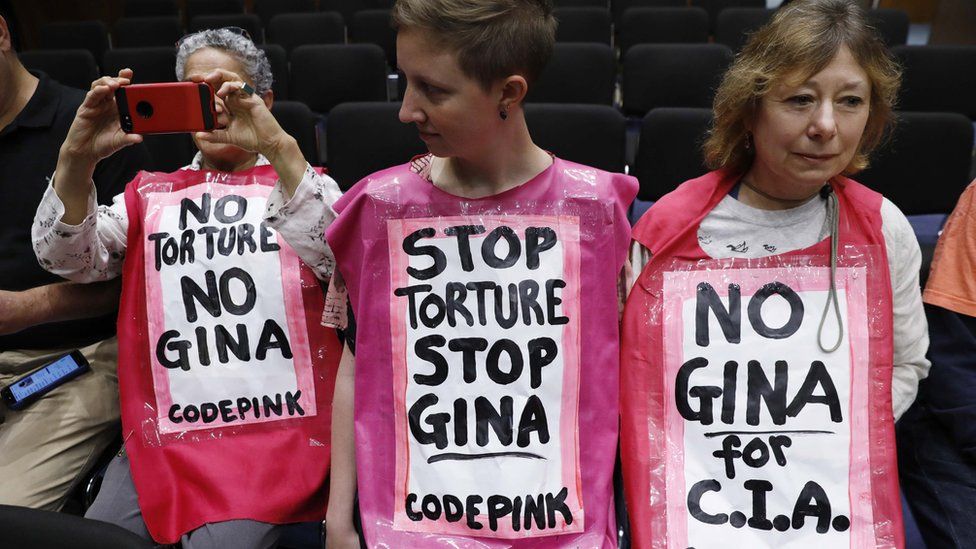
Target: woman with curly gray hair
[
  {"x": 219, "y": 487},
  {"x": 248, "y": 136}
]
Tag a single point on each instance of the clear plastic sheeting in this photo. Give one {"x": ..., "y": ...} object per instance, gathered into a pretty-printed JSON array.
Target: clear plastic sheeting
[
  {"x": 755, "y": 436},
  {"x": 483, "y": 380},
  {"x": 226, "y": 321}
]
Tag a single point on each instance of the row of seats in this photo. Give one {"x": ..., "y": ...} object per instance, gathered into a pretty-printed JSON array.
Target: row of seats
[
  {"x": 362, "y": 66},
  {"x": 937, "y": 77},
  {"x": 288, "y": 30},
  {"x": 639, "y": 25},
  {"x": 926, "y": 150},
  {"x": 690, "y": 24},
  {"x": 265, "y": 9}
]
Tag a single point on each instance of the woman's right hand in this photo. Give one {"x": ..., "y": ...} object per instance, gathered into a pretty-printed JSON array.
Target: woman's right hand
[{"x": 95, "y": 132}]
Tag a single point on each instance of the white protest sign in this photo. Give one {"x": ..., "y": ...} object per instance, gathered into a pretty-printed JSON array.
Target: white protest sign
[
  {"x": 485, "y": 322},
  {"x": 227, "y": 333},
  {"x": 766, "y": 420}
]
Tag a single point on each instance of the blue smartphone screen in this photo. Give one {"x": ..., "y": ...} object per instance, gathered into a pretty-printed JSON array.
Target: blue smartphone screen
[{"x": 44, "y": 378}]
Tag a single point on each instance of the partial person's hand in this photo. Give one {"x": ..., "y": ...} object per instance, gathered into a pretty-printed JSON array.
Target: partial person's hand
[
  {"x": 341, "y": 538},
  {"x": 95, "y": 132},
  {"x": 243, "y": 119}
]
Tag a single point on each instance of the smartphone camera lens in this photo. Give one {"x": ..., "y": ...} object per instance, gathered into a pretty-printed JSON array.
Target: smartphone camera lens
[{"x": 144, "y": 109}]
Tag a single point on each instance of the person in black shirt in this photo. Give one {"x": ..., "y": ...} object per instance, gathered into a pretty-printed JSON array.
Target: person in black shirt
[{"x": 46, "y": 448}]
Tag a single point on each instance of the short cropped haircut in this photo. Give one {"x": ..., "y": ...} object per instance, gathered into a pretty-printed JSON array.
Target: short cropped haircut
[
  {"x": 493, "y": 39},
  {"x": 255, "y": 63},
  {"x": 800, "y": 41}
]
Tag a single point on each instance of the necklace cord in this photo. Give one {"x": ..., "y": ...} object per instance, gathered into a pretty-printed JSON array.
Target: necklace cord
[{"x": 833, "y": 219}]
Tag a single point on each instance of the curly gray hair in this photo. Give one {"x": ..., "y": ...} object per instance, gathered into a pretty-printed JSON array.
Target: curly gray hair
[{"x": 255, "y": 63}]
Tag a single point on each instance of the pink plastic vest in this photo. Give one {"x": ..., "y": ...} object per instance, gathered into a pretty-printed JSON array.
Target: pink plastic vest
[
  {"x": 486, "y": 357},
  {"x": 736, "y": 428},
  {"x": 225, "y": 373}
]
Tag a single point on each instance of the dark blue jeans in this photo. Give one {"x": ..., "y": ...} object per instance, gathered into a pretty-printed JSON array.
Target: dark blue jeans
[
  {"x": 936, "y": 442},
  {"x": 938, "y": 481}
]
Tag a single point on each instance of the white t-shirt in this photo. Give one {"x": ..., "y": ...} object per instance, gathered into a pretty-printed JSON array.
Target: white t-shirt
[{"x": 734, "y": 229}]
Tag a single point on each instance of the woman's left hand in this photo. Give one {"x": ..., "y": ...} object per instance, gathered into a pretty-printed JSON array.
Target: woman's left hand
[{"x": 243, "y": 119}]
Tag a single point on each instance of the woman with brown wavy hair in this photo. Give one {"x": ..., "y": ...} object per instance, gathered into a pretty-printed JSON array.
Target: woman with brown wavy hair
[{"x": 813, "y": 377}]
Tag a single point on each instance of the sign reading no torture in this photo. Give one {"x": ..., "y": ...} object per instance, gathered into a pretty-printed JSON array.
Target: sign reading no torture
[{"x": 227, "y": 332}]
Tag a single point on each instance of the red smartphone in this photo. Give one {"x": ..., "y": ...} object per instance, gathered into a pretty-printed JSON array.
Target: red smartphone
[{"x": 169, "y": 107}]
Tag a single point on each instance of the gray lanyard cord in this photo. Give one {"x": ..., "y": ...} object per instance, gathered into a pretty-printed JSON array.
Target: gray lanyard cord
[{"x": 833, "y": 219}]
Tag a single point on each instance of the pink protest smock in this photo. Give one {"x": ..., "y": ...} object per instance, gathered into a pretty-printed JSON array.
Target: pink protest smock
[
  {"x": 225, "y": 372},
  {"x": 671, "y": 500},
  {"x": 486, "y": 357}
]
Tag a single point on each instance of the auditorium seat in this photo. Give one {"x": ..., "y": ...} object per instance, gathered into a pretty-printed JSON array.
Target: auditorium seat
[
  {"x": 670, "y": 149},
  {"x": 266, "y": 9},
  {"x": 67, "y": 35},
  {"x": 362, "y": 138},
  {"x": 672, "y": 75},
  {"x": 892, "y": 24},
  {"x": 147, "y": 64},
  {"x": 620, "y": 7},
  {"x": 74, "y": 68},
  {"x": 299, "y": 122},
  {"x": 23, "y": 528},
  {"x": 576, "y": 73},
  {"x": 663, "y": 26},
  {"x": 290, "y": 30},
  {"x": 583, "y": 24},
  {"x": 734, "y": 25},
  {"x": 581, "y": 3},
  {"x": 587, "y": 134},
  {"x": 146, "y": 32},
  {"x": 348, "y": 7},
  {"x": 213, "y": 7},
  {"x": 279, "y": 69},
  {"x": 322, "y": 76},
  {"x": 938, "y": 78},
  {"x": 150, "y": 8},
  {"x": 247, "y": 21},
  {"x": 374, "y": 27},
  {"x": 924, "y": 166},
  {"x": 303, "y": 535},
  {"x": 715, "y": 7}
]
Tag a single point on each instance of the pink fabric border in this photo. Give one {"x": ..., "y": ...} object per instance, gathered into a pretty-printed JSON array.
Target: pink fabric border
[
  {"x": 291, "y": 286},
  {"x": 850, "y": 279}
]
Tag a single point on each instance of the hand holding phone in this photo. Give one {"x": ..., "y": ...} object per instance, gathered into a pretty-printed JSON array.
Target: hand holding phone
[
  {"x": 169, "y": 107},
  {"x": 251, "y": 126},
  {"x": 95, "y": 132},
  {"x": 249, "y": 123}
]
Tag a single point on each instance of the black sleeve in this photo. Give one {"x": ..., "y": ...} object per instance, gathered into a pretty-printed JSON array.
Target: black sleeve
[
  {"x": 113, "y": 173},
  {"x": 950, "y": 389},
  {"x": 348, "y": 336}
]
